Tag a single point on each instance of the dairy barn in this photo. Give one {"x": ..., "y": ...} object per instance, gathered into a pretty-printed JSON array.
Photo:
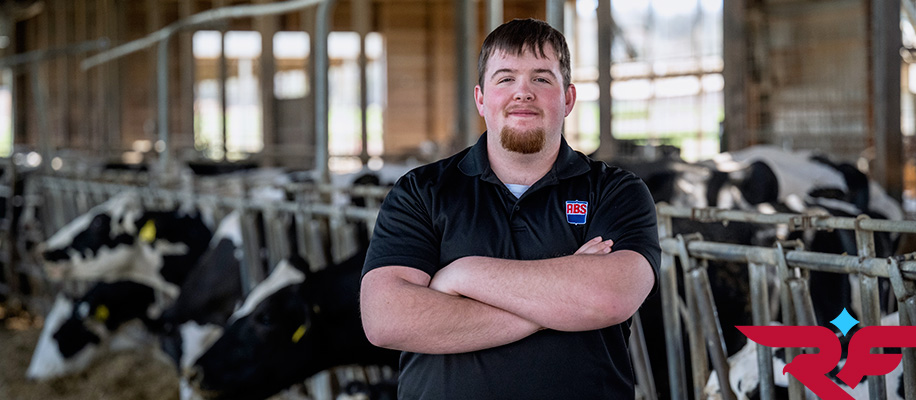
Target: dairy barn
[{"x": 188, "y": 188}]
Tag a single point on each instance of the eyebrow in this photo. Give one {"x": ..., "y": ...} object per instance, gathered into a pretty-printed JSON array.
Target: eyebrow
[{"x": 536, "y": 71}]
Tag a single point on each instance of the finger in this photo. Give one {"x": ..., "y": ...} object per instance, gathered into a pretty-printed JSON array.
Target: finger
[
  {"x": 597, "y": 248},
  {"x": 585, "y": 247},
  {"x": 603, "y": 247},
  {"x": 588, "y": 245}
]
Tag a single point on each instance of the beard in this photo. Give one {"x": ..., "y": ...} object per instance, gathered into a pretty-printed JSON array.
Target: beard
[{"x": 524, "y": 142}]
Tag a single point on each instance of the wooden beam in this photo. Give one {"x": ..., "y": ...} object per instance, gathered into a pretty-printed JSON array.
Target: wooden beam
[
  {"x": 735, "y": 53},
  {"x": 267, "y": 26},
  {"x": 62, "y": 96},
  {"x": 466, "y": 47},
  {"x": 154, "y": 22},
  {"x": 606, "y": 147},
  {"x": 885, "y": 73},
  {"x": 81, "y": 32},
  {"x": 186, "y": 73},
  {"x": 361, "y": 11}
]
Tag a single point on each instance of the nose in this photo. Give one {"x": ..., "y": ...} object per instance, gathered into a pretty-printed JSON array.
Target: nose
[{"x": 523, "y": 93}]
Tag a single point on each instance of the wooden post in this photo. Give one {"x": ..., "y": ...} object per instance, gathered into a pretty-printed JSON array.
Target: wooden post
[
  {"x": 267, "y": 27},
  {"x": 885, "y": 101},
  {"x": 735, "y": 52}
]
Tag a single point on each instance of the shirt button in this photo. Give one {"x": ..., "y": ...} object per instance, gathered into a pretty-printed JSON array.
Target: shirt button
[{"x": 517, "y": 208}]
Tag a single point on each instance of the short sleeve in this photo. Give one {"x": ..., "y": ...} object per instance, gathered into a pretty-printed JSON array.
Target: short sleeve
[
  {"x": 626, "y": 214},
  {"x": 404, "y": 233}
]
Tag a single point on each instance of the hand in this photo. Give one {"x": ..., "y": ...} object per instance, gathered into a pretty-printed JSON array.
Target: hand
[
  {"x": 596, "y": 246},
  {"x": 444, "y": 280}
]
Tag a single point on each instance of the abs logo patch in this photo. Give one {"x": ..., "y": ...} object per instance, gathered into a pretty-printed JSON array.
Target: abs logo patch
[{"x": 576, "y": 210}]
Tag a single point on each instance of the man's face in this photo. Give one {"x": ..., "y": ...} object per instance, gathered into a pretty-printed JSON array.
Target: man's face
[{"x": 524, "y": 99}]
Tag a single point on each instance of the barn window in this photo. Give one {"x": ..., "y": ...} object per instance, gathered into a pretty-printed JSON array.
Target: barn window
[
  {"x": 243, "y": 135},
  {"x": 670, "y": 92},
  {"x": 345, "y": 142},
  {"x": 243, "y": 130},
  {"x": 291, "y": 50}
]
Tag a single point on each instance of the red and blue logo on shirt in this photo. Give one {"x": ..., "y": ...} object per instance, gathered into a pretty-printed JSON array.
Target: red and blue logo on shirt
[{"x": 576, "y": 210}]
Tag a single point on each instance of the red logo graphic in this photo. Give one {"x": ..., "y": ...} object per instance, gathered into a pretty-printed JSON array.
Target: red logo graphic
[
  {"x": 811, "y": 369},
  {"x": 576, "y": 211}
]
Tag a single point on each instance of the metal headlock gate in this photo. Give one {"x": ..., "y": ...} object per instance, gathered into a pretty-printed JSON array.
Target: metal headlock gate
[
  {"x": 698, "y": 312},
  {"x": 322, "y": 224},
  {"x": 323, "y": 230},
  {"x": 323, "y": 227}
]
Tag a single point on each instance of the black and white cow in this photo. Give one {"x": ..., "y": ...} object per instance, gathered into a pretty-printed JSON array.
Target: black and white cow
[
  {"x": 760, "y": 179},
  {"x": 810, "y": 182},
  {"x": 16, "y": 216},
  {"x": 116, "y": 245},
  {"x": 119, "y": 239},
  {"x": 293, "y": 325},
  {"x": 110, "y": 316},
  {"x": 208, "y": 297}
]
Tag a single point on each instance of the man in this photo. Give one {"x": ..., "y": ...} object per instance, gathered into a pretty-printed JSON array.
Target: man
[{"x": 492, "y": 270}]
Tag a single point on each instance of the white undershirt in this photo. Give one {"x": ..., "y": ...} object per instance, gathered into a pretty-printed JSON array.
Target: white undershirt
[{"x": 516, "y": 189}]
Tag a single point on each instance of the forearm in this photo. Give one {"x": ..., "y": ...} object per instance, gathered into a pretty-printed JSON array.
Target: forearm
[
  {"x": 572, "y": 293},
  {"x": 404, "y": 314}
]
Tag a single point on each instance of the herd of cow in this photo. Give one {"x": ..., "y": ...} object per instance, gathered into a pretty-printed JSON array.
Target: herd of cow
[
  {"x": 167, "y": 278},
  {"x": 173, "y": 279}
]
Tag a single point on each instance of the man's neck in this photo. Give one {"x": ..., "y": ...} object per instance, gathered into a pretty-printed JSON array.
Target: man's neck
[{"x": 522, "y": 169}]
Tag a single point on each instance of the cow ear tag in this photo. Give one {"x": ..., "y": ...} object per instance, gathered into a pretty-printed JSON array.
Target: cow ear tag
[
  {"x": 300, "y": 332},
  {"x": 148, "y": 232},
  {"x": 101, "y": 313}
]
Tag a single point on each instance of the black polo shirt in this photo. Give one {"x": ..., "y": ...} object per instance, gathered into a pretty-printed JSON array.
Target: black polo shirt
[{"x": 457, "y": 207}]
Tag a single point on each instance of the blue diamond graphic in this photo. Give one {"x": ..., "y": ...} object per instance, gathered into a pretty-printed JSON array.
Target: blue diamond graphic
[{"x": 844, "y": 322}]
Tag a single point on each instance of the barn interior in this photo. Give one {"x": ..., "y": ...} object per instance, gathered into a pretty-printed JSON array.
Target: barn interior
[{"x": 207, "y": 103}]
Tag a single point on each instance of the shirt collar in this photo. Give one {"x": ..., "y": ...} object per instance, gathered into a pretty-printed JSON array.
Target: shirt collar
[{"x": 569, "y": 163}]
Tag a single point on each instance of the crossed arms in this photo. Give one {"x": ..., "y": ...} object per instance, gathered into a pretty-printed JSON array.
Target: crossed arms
[{"x": 476, "y": 303}]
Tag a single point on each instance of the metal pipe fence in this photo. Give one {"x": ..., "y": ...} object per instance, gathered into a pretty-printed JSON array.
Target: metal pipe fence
[
  {"x": 324, "y": 231},
  {"x": 791, "y": 266},
  {"x": 323, "y": 227}
]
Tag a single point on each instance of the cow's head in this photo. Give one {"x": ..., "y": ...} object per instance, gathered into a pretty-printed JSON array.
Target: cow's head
[
  {"x": 95, "y": 243},
  {"x": 76, "y": 331},
  {"x": 293, "y": 325},
  {"x": 251, "y": 358},
  {"x": 208, "y": 297},
  {"x": 120, "y": 240}
]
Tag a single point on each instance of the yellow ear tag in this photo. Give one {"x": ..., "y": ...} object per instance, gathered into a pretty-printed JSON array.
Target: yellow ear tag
[
  {"x": 101, "y": 313},
  {"x": 148, "y": 232},
  {"x": 299, "y": 334}
]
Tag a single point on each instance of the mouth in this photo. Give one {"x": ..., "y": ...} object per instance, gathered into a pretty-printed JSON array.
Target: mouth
[{"x": 522, "y": 112}]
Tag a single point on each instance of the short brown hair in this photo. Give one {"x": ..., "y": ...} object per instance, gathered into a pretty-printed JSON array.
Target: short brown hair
[{"x": 518, "y": 35}]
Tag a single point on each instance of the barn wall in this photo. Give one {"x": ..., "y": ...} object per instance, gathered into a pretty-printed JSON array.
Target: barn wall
[
  {"x": 102, "y": 111},
  {"x": 823, "y": 75}
]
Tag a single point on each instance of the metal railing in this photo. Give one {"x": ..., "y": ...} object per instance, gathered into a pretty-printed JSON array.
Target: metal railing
[
  {"x": 323, "y": 227},
  {"x": 791, "y": 265}
]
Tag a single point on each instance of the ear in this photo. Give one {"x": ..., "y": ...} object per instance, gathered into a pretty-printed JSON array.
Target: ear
[
  {"x": 570, "y": 98},
  {"x": 478, "y": 99}
]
